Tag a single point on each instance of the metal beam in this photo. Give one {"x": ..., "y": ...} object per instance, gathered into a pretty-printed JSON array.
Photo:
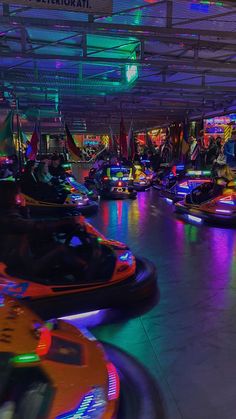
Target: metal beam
[
  {"x": 163, "y": 85},
  {"x": 204, "y": 18},
  {"x": 172, "y": 61},
  {"x": 161, "y": 37},
  {"x": 114, "y": 27}
]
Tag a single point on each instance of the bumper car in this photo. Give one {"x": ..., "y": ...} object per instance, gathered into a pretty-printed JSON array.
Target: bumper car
[
  {"x": 167, "y": 172},
  {"x": 73, "y": 205},
  {"x": 147, "y": 169},
  {"x": 141, "y": 181},
  {"x": 52, "y": 374},
  {"x": 109, "y": 277},
  {"x": 210, "y": 204},
  {"x": 55, "y": 371},
  {"x": 175, "y": 188},
  {"x": 75, "y": 187},
  {"x": 114, "y": 182}
]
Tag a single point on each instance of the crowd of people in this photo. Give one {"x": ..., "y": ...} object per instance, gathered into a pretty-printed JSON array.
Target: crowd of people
[
  {"x": 44, "y": 179},
  {"x": 217, "y": 151}
]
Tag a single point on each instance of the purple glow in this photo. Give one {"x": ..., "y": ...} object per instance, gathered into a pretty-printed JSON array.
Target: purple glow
[
  {"x": 89, "y": 319},
  {"x": 85, "y": 315},
  {"x": 58, "y": 64},
  {"x": 169, "y": 201},
  {"x": 224, "y": 211}
]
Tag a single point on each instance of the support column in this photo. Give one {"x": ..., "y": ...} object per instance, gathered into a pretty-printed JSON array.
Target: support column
[{"x": 169, "y": 13}]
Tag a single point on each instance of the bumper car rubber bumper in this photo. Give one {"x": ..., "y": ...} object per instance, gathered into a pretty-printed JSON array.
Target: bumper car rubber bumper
[
  {"x": 137, "y": 289},
  {"x": 140, "y": 395},
  {"x": 222, "y": 218}
]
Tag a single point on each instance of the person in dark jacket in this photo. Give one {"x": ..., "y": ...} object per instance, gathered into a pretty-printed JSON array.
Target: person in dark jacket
[
  {"x": 29, "y": 244},
  {"x": 230, "y": 151},
  {"x": 56, "y": 169},
  {"x": 212, "y": 151},
  {"x": 29, "y": 182}
]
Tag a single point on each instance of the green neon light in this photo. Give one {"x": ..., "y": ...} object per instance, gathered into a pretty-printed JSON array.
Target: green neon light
[
  {"x": 25, "y": 358},
  {"x": 131, "y": 71},
  {"x": 115, "y": 76},
  {"x": 199, "y": 172},
  {"x": 138, "y": 17}
]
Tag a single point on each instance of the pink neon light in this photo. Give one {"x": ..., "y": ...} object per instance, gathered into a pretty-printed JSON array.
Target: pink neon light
[
  {"x": 223, "y": 211},
  {"x": 113, "y": 382},
  {"x": 184, "y": 184},
  {"x": 201, "y": 181},
  {"x": 227, "y": 200}
]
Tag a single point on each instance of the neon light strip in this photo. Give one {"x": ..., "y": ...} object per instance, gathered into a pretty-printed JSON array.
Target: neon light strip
[
  {"x": 25, "y": 358},
  {"x": 169, "y": 201},
  {"x": 195, "y": 219},
  {"x": 224, "y": 211},
  {"x": 114, "y": 382},
  {"x": 227, "y": 202},
  {"x": 81, "y": 315}
]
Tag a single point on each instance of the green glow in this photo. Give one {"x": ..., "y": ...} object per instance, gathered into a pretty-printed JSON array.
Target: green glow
[
  {"x": 111, "y": 46},
  {"x": 199, "y": 172},
  {"x": 131, "y": 71},
  {"x": 111, "y": 76},
  {"x": 25, "y": 358},
  {"x": 191, "y": 233},
  {"x": 138, "y": 17},
  {"x": 211, "y": 3}
]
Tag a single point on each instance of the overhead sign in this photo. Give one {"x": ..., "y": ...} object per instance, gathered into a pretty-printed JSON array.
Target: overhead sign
[{"x": 84, "y": 6}]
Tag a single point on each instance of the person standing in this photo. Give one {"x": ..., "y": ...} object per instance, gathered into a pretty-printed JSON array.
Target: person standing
[
  {"x": 230, "y": 151},
  {"x": 193, "y": 151}
]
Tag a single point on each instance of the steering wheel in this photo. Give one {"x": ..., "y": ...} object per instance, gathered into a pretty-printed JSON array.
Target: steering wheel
[
  {"x": 80, "y": 232},
  {"x": 94, "y": 250}
]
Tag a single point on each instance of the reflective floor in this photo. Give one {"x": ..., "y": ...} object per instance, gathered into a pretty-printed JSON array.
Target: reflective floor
[{"x": 188, "y": 341}]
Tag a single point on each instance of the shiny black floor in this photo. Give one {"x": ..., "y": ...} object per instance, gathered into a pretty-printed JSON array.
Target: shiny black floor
[{"x": 188, "y": 341}]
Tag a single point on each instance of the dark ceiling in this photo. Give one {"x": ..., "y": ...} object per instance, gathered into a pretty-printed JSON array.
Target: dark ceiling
[{"x": 157, "y": 61}]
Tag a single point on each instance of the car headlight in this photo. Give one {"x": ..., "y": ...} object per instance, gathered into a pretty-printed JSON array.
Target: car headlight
[{"x": 92, "y": 406}]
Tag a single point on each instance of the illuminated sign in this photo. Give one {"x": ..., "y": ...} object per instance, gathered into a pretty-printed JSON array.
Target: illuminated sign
[{"x": 84, "y": 6}]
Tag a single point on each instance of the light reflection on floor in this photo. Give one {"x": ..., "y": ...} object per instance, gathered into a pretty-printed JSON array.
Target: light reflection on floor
[{"x": 188, "y": 341}]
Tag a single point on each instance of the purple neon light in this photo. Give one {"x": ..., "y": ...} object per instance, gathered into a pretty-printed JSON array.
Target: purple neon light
[
  {"x": 227, "y": 201},
  {"x": 224, "y": 211}
]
